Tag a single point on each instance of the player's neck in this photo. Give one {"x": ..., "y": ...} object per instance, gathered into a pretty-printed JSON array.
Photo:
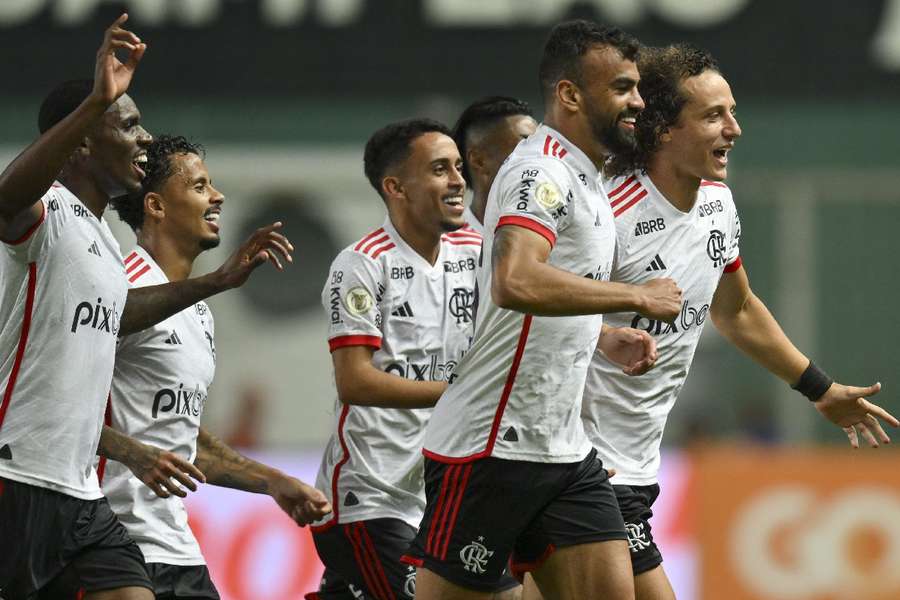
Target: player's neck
[
  {"x": 175, "y": 262},
  {"x": 86, "y": 190},
  {"x": 479, "y": 203},
  {"x": 580, "y": 135},
  {"x": 679, "y": 189},
  {"x": 425, "y": 243}
]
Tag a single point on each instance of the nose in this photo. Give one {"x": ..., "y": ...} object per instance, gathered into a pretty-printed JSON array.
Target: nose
[
  {"x": 635, "y": 101},
  {"x": 144, "y": 137},
  {"x": 216, "y": 197},
  {"x": 456, "y": 178},
  {"x": 732, "y": 128}
]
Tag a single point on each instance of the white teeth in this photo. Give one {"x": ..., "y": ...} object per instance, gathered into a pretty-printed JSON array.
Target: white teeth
[
  {"x": 453, "y": 200},
  {"x": 140, "y": 159},
  {"x": 212, "y": 218}
]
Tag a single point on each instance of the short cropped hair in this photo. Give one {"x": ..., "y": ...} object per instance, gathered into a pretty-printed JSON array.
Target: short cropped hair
[
  {"x": 62, "y": 101},
  {"x": 482, "y": 114},
  {"x": 569, "y": 41},
  {"x": 158, "y": 169},
  {"x": 391, "y": 145},
  {"x": 663, "y": 70}
]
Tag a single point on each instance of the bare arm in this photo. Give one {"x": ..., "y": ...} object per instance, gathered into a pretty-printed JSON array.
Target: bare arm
[
  {"x": 746, "y": 322},
  {"x": 149, "y": 305},
  {"x": 29, "y": 176},
  {"x": 360, "y": 383},
  {"x": 227, "y": 468},
  {"x": 153, "y": 466},
  {"x": 523, "y": 281}
]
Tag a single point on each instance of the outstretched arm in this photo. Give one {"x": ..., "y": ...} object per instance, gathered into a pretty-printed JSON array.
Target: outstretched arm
[
  {"x": 149, "y": 305},
  {"x": 153, "y": 466},
  {"x": 746, "y": 322},
  {"x": 29, "y": 176},
  {"x": 227, "y": 468},
  {"x": 360, "y": 383}
]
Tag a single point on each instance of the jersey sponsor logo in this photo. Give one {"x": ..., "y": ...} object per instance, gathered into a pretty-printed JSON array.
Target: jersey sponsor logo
[
  {"x": 180, "y": 401},
  {"x": 715, "y": 247},
  {"x": 359, "y": 301},
  {"x": 548, "y": 196},
  {"x": 637, "y": 537},
  {"x": 430, "y": 371},
  {"x": 404, "y": 310},
  {"x": 173, "y": 339},
  {"x": 96, "y": 316},
  {"x": 334, "y": 304},
  {"x": 53, "y": 205},
  {"x": 212, "y": 344},
  {"x": 710, "y": 208},
  {"x": 406, "y": 272},
  {"x": 656, "y": 264},
  {"x": 650, "y": 226},
  {"x": 458, "y": 266},
  {"x": 80, "y": 211},
  {"x": 583, "y": 179},
  {"x": 689, "y": 317},
  {"x": 94, "y": 249},
  {"x": 462, "y": 305},
  {"x": 525, "y": 187},
  {"x": 475, "y": 556},
  {"x": 201, "y": 308}
]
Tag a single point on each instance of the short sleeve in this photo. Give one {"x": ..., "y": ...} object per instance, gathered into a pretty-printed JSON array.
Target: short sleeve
[
  {"x": 733, "y": 251},
  {"x": 45, "y": 231},
  {"x": 536, "y": 195},
  {"x": 351, "y": 299}
]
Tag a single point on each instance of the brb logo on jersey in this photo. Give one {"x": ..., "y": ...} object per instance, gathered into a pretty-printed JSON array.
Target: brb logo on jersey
[
  {"x": 715, "y": 247},
  {"x": 180, "y": 401},
  {"x": 689, "y": 317},
  {"x": 96, "y": 316},
  {"x": 462, "y": 305}
]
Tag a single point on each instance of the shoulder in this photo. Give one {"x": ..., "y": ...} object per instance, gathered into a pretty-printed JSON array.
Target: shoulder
[
  {"x": 465, "y": 240},
  {"x": 138, "y": 271},
  {"x": 368, "y": 252}
]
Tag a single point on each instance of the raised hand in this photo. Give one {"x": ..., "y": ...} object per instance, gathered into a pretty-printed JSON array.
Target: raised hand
[
  {"x": 266, "y": 244},
  {"x": 632, "y": 349},
  {"x": 847, "y": 407},
  {"x": 662, "y": 299},
  {"x": 111, "y": 76},
  {"x": 303, "y": 503}
]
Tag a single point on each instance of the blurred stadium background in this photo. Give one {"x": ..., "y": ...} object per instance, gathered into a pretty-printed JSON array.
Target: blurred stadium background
[{"x": 760, "y": 500}]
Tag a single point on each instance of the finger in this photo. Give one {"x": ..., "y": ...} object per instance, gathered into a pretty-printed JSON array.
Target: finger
[
  {"x": 867, "y": 435},
  {"x": 123, "y": 44},
  {"x": 157, "y": 489},
  {"x": 874, "y": 409},
  {"x": 864, "y": 392},
  {"x": 282, "y": 239},
  {"x": 173, "y": 488},
  {"x": 135, "y": 57},
  {"x": 189, "y": 468},
  {"x": 124, "y": 35},
  {"x": 875, "y": 426},
  {"x": 184, "y": 480},
  {"x": 272, "y": 258},
  {"x": 851, "y": 434},
  {"x": 279, "y": 247}
]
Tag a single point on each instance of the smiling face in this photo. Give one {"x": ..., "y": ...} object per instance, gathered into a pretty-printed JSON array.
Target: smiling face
[
  {"x": 191, "y": 205},
  {"x": 697, "y": 146},
  {"x": 118, "y": 148},
  {"x": 431, "y": 185}
]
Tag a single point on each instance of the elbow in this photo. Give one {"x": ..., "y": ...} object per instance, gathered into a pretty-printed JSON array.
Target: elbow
[
  {"x": 350, "y": 392},
  {"x": 510, "y": 293}
]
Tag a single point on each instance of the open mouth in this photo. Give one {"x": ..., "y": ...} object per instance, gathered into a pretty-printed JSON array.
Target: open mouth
[
  {"x": 721, "y": 155},
  {"x": 628, "y": 122},
  {"x": 138, "y": 164},
  {"x": 212, "y": 217},
  {"x": 454, "y": 202}
]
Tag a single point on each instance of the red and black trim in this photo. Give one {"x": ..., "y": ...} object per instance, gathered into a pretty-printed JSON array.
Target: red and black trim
[
  {"x": 734, "y": 265},
  {"x": 23, "y": 341},
  {"x": 107, "y": 420},
  {"x": 368, "y": 562},
  {"x": 528, "y": 223},
  {"x": 626, "y": 195},
  {"x": 440, "y": 530},
  {"x": 518, "y": 569},
  {"x": 374, "y": 243},
  {"x": 705, "y": 183},
  {"x": 135, "y": 267},
  {"x": 552, "y": 147},
  {"x": 30, "y": 231},
  {"x": 335, "y": 476},
  {"x": 463, "y": 237},
  {"x": 354, "y": 340}
]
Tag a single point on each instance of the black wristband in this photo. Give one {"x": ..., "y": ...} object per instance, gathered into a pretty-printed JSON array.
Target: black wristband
[{"x": 813, "y": 383}]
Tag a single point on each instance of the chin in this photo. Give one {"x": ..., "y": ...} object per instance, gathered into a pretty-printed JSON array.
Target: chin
[
  {"x": 209, "y": 243},
  {"x": 452, "y": 224}
]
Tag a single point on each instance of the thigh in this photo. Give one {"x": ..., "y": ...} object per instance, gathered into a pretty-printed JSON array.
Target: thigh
[
  {"x": 592, "y": 570},
  {"x": 653, "y": 585},
  {"x": 636, "y": 503},
  {"x": 181, "y": 582}
]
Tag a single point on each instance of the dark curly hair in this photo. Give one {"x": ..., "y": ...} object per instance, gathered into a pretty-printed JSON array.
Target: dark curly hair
[
  {"x": 567, "y": 44},
  {"x": 662, "y": 72},
  {"x": 485, "y": 113},
  {"x": 391, "y": 145},
  {"x": 157, "y": 171}
]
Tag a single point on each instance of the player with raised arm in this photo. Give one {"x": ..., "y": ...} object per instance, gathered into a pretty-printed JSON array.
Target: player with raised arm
[
  {"x": 65, "y": 301},
  {"x": 675, "y": 217},
  {"x": 509, "y": 471},
  {"x": 400, "y": 304},
  {"x": 163, "y": 374},
  {"x": 485, "y": 133}
]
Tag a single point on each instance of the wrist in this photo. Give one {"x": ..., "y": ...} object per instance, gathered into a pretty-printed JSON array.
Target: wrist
[{"x": 813, "y": 382}]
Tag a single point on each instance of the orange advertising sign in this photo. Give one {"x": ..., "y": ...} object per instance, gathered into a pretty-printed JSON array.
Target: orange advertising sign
[{"x": 797, "y": 524}]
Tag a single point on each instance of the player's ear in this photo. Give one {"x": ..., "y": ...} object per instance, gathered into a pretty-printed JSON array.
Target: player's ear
[
  {"x": 392, "y": 187},
  {"x": 663, "y": 135},
  {"x": 568, "y": 95},
  {"x": 154, "y": 205},
  {"x": 475, "y": 160}
]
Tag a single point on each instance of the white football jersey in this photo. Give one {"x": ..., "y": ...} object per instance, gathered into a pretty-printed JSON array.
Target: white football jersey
[
  {"x": 418, "y": 318},
  {"x": 472, "y": 221},
  {"x": 63, "y": 289},
  {"x": 159, "y": 389},
  {"x": 517, "y": 393},
  {"x": 625, "y": 416}
]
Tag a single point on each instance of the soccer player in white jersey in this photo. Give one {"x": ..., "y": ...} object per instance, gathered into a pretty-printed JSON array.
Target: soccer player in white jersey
[
  {"x": 65, "y": 300},
  {"x": 485, "y": 133},
  {"x": 675, "y": 217},
  {"x": 400, "y": 303},
  {"x": 163, "y": 374},
  {"x": 509, "y": 471}
]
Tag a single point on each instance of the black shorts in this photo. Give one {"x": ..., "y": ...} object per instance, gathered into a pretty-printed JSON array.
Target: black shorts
[
  {"x": 364, "y": 558},
  {"x": 62, "y": 546},
  {"x": 635, "y": 502},
  {"x": 176, "y": 582},
  {"x": 484, "y": 514}
]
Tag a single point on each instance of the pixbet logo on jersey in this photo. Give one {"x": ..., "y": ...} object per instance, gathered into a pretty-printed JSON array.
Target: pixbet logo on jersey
[
  {"x": 689, "y": 317},
  {"x": 180, "y": 401},
  {"x": 430, "y": 371},
  {"x": 96, "y": 316}
]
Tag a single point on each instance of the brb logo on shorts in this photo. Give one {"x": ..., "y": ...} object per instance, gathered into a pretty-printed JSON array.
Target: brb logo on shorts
[
  {"x": 475, "y": 556},
  {"x": 715, "y": 247},
  {"x": 96, "y": 316}
]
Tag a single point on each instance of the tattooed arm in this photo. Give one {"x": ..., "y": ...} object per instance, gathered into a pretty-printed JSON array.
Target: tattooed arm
[
  {"x": 227, "y": 468},
  {"x": 153, "y": 466}
]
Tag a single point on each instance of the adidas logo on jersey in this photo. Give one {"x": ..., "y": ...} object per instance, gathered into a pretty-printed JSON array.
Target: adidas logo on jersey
[
  {"x": 404, "y": 310},
  {"x": 173, "y": 339},
  {"x": 656, "y": 264},
  {"x": 94, "y": 248}
]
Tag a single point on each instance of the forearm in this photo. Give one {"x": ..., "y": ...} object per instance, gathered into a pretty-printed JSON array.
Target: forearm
[
  {"x": 147, "y": 306},
  {"x": 754, "y": 330},
  {"x": 29, "y": 176},
  {"x": 225, "y": 467},
  {"x": 117, "y": 446},
  {"x": 368, "y": 386}
]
